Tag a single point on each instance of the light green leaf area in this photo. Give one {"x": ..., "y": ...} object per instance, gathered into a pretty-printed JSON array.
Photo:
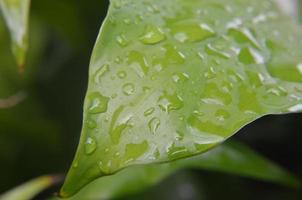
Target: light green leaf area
[
  {"x": 231, "y": 157},
  {"x": 29, "y": 189},
  {"x": 171, "y": 79},
  {"x": 16, "y": 14}
]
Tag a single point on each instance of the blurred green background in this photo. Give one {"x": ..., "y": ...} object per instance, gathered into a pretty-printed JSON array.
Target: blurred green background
[{"x": 40, "y": 135}]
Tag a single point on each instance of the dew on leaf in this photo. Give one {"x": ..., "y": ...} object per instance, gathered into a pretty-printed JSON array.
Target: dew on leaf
[
  {"x": 154, "y": 124},
  {"x": 91, "y": 124},
  {"x": 169, "y": 103},
  {"x": 152, "y": 35},
  {"x": 122, "y": 74},
  {"x": 210, "y": 50},
  {"x": 134, "y": 151},
  {"x": 149, "y": 111},
  {"x": 90, "y": 145},
  {"x": 242, "y": 36},
  {"x": 101, "y": 72},
  {"x": 98, "y": 103},
  {"x": 128, "y": 89},
  {"x": 122, "y": 40},
  {"x": 191, "y": 31}
]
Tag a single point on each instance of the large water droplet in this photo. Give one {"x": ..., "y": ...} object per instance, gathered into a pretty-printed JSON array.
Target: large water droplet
[
  {"x": 134, "y": 151},
  {"x": 90, "y": 145},
  {"x": 243, "y": 35},
  {"x": 138, "y": 62},
  {"x": 98, "y": 103},
  {"x": 191, "y": 31},
  {"x": 152, "y": 35}
]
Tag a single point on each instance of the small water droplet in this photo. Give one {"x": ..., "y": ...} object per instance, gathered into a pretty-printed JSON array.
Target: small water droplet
[
  {"x": 91, "y": 124},
  {"x": 122, "y": 40},
  {"x": 149, "y": 111},
  {"x": 222, "y": 115},
  {"x": 122, "y": 74},
  {"x": 98, "y": 103},
  {"x": 210, "y": 50},
  {"x": 154, "y": 124},
  {"x": 180, "y": 77},
  {"x": 169, "y": 103},
  {"x": 101, "y": 72},
  {"x": 128, "y": 89},
  {"x": 153, "y": 35},
  {"x": 90, "y": 145}
]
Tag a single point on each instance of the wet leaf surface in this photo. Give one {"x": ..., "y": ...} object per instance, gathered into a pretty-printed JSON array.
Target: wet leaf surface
[{"x": 171, "y": 79}]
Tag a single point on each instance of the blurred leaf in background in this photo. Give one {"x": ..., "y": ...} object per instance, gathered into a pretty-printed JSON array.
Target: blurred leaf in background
[{"x": 16, "y": 14}]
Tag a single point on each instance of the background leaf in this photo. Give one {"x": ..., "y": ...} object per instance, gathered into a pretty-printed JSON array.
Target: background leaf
[
  {"x": 232, "y": 157},
  {"x": 16, "y": 14},
  {"x": 30, "y": 189},
  {"x": 171, "y": 79}
]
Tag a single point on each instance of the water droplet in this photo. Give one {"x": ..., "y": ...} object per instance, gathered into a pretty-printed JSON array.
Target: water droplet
[
  {"x": 122, "y": 74},
  {"x": 169, "y": 103},
  {"x": 90, "y": 145},
  {"x": 222, "y": 115},
  {"x": 210, "y": 50},
  {"x": 152, "y": 35},
  {"x": 105, "y": 167},
  {"x": 122, "y": 40},
  {"x": 128, "y": 89},
  {"x": 98, "y": 103},
  {"x": 243, "y": 35},
  {"x": 154, "y": 124},
  {"x": 127, "y": 21},
  {"x": 149, "y": 111},
  {"x": 180, "y": 77},
  {"x": 175, "y": 152},
  {"x": 91, "y": 124},
  {"x": 134, "y": 151},
  {"x": 246, "y": 56},
  {"x": 191, "y": 31},
  {"x": 138, "y": 62},
  {"x": 101, "y": 72}
]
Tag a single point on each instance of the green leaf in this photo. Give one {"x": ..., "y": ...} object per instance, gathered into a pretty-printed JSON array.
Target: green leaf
[
  {"x": 16, "y": 13},
  {"x": 233, "y": 158},
  {"x": 30, "y": 189},
  {"x": 171, "y": 79}
]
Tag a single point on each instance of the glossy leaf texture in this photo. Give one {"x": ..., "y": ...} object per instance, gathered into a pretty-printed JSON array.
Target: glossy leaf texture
[
  {"x": 231, "y": 157},
  {"x": 16, "y": 14},
  {"x": 30, "y": 189},
  {"x": 171, "y": 79}
]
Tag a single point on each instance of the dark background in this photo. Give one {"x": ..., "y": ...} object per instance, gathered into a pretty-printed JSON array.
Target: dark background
[{"x": 40, "y": 135}]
